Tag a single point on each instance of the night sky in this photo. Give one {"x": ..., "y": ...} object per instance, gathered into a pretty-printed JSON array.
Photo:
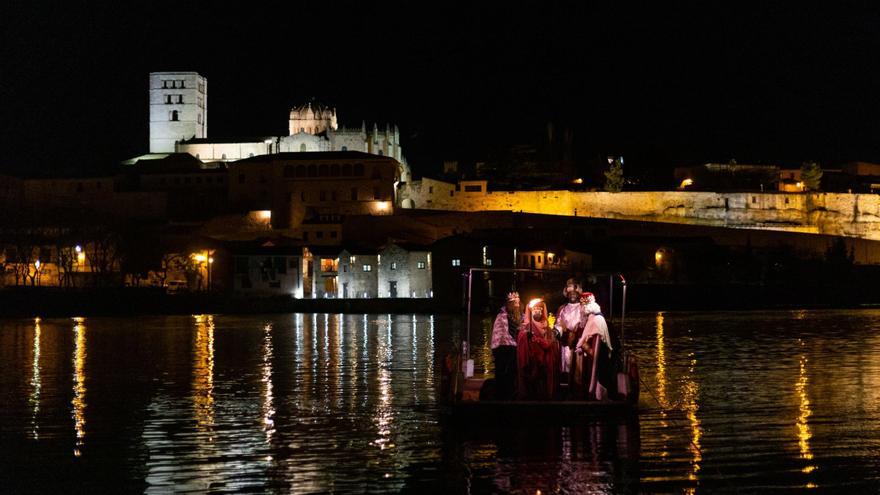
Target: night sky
[{"x": 665, "y": 86}]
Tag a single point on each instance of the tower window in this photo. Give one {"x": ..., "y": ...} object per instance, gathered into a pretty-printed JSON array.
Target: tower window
[
  {"x": 174, "y": 116},
  {"x": 456, "y": 262},
  {"x": 179, "y": 98},
  {"x": 421, "y": 265},
  {"x": 167, "y": 99},
  {"x": 164, "y": 84}
]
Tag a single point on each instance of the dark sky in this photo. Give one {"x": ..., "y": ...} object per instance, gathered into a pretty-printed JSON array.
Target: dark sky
[{"x": 667, "y": 85}]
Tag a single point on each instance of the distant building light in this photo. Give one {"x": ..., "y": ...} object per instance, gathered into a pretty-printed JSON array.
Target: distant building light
[
  {"x": 456, "y": 262},
  {"x": 264, "y": 215},
  {"x": 78, "y": 248},
  {"x": 685, "y": 183},
  {"x": 578, "y": 181}
]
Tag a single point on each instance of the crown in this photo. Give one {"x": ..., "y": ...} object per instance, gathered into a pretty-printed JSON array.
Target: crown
[{"x": 512, "y": 296}]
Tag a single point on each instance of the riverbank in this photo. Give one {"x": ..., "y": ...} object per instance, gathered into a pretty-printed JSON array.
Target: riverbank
[{"x": 51, "y": 301}]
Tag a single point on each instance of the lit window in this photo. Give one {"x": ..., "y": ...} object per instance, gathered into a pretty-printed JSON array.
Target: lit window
[
  {"x": 394, "y": 265},
  {"x": 456, "y": 262},
  {"x": 368, "y": 268},
  {"x": 421, "y": 265},
  {"x": 488, "y": 262}
]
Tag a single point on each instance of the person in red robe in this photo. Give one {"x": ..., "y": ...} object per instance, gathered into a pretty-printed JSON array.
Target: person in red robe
[{"x": 537, "y": 355}]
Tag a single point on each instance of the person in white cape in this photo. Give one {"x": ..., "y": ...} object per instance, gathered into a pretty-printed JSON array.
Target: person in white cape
[{"x": 598, "y": 327}]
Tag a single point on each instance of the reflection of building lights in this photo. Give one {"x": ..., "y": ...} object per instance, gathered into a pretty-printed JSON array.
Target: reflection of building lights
[
  {"x": 203, "y": 372},
  {"x": 578, "y": 181},
  {"x": 78, "y": 402},
  {"x": 36, "y": 382},
  {"x": 803, "y": 427}
]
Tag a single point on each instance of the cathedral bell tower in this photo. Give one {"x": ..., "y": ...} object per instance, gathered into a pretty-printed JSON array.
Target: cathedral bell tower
[{"x": 178, "y": 109}]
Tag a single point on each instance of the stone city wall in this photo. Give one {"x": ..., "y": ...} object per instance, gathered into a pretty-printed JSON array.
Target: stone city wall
[{"x": 850, "y": 215}]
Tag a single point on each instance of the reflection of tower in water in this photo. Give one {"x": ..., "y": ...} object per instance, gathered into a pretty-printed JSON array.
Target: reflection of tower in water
[
  {"x": 203, "y": 372},
  {"x": 79, "y": 384}
]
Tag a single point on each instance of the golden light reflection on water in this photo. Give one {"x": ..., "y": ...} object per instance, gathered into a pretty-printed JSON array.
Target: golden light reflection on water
[
  {"x": 691, "y": 393},
  {"x": 268, "y": 399},
  {"x": 662, "y": 382},
  {"x": 203, "y": 372},
  {"x": 804, "y": 412},
  {"x": 79, "y": 384},
  {"x": 36, "y": 383}
]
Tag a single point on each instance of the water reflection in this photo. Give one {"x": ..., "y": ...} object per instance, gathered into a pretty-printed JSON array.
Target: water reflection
[
  {"x": 384, "y": 415},
  {"x": 805, "y": 411},
  {"x": 691, "y": 392},
  {"x": 345, "y": 403},
  {"x": 36, "y": 382},
  {"x": 203, "y": 372},
  {"x": 78, "y": 403},
  {"x": 268, "y": 406}
]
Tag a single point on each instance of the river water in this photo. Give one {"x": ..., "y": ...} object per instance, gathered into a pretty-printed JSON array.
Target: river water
[{"x": 737, "y": 402}]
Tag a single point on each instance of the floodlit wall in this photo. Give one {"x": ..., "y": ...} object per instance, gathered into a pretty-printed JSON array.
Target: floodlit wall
[{"x": 851, "y": 215}]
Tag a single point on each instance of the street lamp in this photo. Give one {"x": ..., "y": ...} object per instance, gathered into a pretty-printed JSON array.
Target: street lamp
[{"x": 210, "y": 272}]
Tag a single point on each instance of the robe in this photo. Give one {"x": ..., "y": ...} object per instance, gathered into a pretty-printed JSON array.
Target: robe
[{"x": 537, "y": 360}]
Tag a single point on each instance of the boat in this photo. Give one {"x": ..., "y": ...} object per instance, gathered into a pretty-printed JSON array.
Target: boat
[{"x": 467, "y": 396}]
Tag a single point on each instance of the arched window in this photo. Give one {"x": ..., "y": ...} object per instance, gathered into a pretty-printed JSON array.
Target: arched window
[
  {"x": 344, "y": 148},
  {"x": 300, "y": 170},
  {"x": 289, "y": 171},
  {"x": 198, "y": 157},
  {"x": 358, "y": 169},
  {"x": 174, "y": 117},
  {"x": 334, "y": 170},
  {"x": 323, "y": 170},
  {"x": 346, "y": 170},
  {"x": 380, "y": 153},
  {"x": 313, "y": 171},
  {"x": 302, "y": 147},
  {"x": 250, "y": 155},
  {"x": 223, "y": 156}
]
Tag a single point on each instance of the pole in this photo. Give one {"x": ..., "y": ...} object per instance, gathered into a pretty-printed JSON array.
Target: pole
[
  {"x": 611, "y": 298},
  {"x": 470, "y": 285},
  {"x": 622, "y": 311}
]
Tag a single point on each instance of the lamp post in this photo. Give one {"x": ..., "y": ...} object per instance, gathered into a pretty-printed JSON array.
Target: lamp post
[
  {"x": 37, "y": 266},
  {"x": 210, "y": 273}
]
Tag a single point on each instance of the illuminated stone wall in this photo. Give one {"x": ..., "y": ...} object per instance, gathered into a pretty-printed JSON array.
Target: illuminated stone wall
[{"x": 851, "y": 215}]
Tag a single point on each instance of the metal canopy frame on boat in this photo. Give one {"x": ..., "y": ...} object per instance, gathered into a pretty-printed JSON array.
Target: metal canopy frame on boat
[{"x": 611, "y": 279}]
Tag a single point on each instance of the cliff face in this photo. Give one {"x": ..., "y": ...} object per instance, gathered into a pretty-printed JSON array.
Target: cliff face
[{"x": 850, "y": 215}]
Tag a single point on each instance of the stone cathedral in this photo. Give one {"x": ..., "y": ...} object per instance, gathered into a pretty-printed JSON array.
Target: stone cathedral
[{"x": 179, "y": 123}]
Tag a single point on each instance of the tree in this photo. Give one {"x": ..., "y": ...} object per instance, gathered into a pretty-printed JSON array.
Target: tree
[
  {"x": 614, "y": 177},
  {"x": 811, "y": 176}
]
